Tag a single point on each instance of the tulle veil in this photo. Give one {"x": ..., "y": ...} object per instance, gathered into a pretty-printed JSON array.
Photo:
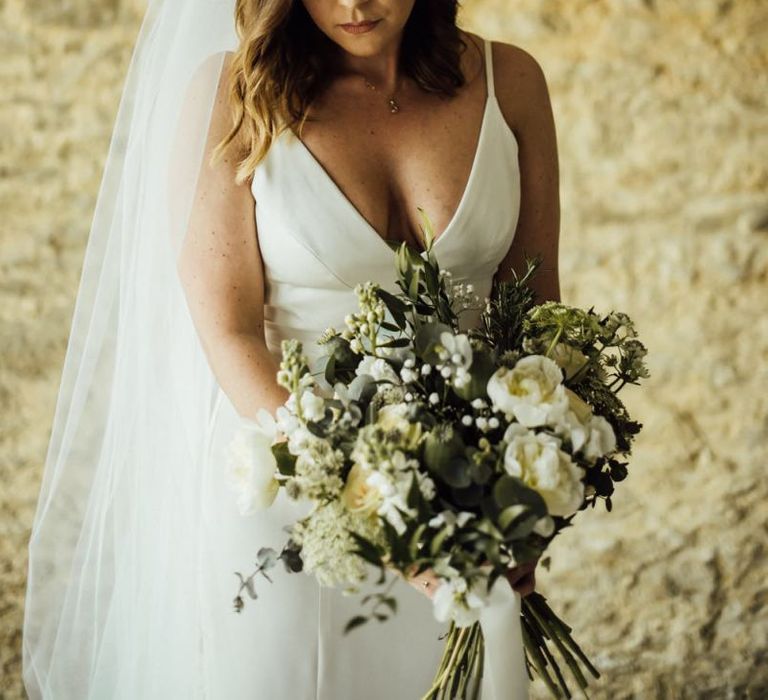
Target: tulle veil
[{"x": 118, "y": 504}]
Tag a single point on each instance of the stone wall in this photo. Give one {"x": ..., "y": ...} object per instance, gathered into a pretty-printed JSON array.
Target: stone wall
[{"x": 661, "y": 115}]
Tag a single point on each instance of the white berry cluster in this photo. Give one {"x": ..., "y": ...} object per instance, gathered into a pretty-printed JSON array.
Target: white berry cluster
[
  {"x": 364, "y": 325},
  {"x": 461, "y": 294},
  {"x": 483, "y": 418},
  {"x": 455, "y": 353}
]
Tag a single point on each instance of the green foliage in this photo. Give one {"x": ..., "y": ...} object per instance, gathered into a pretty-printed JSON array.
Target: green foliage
[{"x": 502, "y": 322}]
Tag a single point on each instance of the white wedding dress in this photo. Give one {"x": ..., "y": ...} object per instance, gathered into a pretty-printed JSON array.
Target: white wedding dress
[{"x": 316, "y": 246}]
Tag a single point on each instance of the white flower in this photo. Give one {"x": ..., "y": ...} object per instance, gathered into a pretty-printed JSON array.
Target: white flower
[
  {"x": 456, "y": 353},
  {"x": 574, "y": 422},
  {"x": 299, "y": 438},
  {"x": 377, "y": 368},
  {"x": 394, "y": 416},
  {"x": 251, "y": 466},
  {"x": 532, "y": 391},
  {"x": 458, "y": 348},
  {"x": 537, "y": 459},
  {"x": 571, "y": 359},
  {"x": 451, "y": 520},
  {"x": 602, "y": 439},
  {"x": 454, "y": 600},
  {"x": 287, "y": 421},
  {"x": 312, "y": 406},
  {"x": 327, "y": 548},
  {"x": 359, "y": 496},
  {"x": 426, "y": 485},
  {"x": 594, "y": 434}
]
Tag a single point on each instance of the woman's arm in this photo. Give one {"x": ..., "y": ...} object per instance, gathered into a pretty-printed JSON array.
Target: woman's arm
[
  {"x": 221, "y": 271},
  {"x": 524, "y": 101}
]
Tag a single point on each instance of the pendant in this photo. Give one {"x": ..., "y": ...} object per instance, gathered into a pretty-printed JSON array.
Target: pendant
[{"x": 394, "y": 107}]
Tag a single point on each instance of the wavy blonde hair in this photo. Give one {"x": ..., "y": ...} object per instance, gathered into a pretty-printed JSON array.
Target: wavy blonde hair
[{"x": 283, "y": 62}]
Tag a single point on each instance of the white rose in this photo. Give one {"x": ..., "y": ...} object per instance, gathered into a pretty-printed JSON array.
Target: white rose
[
  {"x": 377, "y": 368},
  {"x": 454, "y": 600},
  {"x": 532, "y": 391},
  {"x": 252, "y": 467},
  {"x": 358, "y": 495},
  {"x": 569, "y": 358},
  {"x": 537, "y": 459}
]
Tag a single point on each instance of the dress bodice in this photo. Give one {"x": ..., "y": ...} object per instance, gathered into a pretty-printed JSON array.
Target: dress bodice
[{"x": 316, "y": 246}]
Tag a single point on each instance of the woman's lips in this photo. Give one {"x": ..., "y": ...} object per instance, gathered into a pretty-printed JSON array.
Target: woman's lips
[{"x": 359, "y": 27}]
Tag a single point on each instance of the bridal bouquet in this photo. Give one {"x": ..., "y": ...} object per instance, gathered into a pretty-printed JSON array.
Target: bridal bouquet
[{"x": 422, "y": 446}]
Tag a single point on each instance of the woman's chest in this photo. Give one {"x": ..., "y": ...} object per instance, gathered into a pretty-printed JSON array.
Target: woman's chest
[
  {"x": 388, "y": 166},
  {"x": 299, "y": 203}
]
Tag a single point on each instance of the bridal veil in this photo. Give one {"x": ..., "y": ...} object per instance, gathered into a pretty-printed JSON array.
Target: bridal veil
[{"x": 119, "y": 495}]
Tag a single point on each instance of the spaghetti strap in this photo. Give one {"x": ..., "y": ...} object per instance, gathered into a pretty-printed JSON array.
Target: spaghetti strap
[{"x": 489, "y": 66}]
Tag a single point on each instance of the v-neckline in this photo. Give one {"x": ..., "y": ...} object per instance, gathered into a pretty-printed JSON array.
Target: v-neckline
[{"x": 368, "y": 227}]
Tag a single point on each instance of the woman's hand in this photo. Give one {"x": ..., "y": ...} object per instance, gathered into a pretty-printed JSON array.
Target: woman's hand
[
  {"x": 426, "y": 582},
  {"x": 523, "y": 577}
]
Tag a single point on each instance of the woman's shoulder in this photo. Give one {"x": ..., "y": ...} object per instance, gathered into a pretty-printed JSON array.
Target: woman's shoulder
[{"x": 519, "y": 82}]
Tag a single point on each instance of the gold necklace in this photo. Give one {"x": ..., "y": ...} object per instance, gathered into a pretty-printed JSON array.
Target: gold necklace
[{"x": 393, "y": 106}]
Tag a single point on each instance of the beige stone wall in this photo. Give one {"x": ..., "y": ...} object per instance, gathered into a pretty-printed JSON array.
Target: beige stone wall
[{"x": 662, "y": 122}]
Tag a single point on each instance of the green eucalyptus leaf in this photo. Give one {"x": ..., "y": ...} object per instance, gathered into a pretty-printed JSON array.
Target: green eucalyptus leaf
[
  {"x": 291, "y": 558},
  {"x": 356, "y": 621},
  {"x": 414, "y": 285},
  {"x": 455, "y": 471},
  {"x": 427, "y": 229},
  {"x": 266, "y": 557},
  {"x": 437, "y": 542},
  {"x": 365, "y": 548},
  {"x": 486, "y": 526},
  {"x": 481, "y": 472},
  {"x": 286, "y": 462},
  {"x": 522, "y": 527},
  {"x": 511, "y": 513},
  {"x": 329, "y": 371},
  {"x": 441, "y": 445},
  {"x": 509, "y": 490},
  {"x": 413, "y": 544},
  {"x": 397, "y": 307},
  {"x": 247, "y": 583},
  {"x": 432, "y": 279},
  {"x": 390, "y": 602},
  {"x": 468, "y": 497},
  {"x": 396, "y": 343}
]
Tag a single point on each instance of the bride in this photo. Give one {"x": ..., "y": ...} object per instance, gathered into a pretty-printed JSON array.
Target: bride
[{"x": 264, "y": 156}]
